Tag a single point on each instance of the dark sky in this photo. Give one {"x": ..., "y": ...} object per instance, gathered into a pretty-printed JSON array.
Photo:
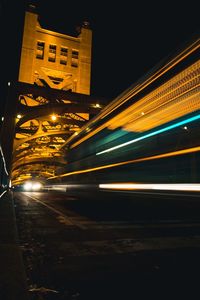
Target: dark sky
[{"x": 129, "y": 37}]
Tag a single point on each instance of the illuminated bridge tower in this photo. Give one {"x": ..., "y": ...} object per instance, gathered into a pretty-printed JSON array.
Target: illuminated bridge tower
[
  {"x": 53, "y": 97},
  {"x": 53, "y": 59}
]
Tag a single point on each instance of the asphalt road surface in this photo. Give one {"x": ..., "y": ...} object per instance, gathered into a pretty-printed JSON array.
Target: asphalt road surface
[{"x": 110, "y": 245}]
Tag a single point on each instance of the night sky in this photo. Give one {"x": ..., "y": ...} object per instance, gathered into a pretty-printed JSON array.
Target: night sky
[{"x": 129, "y": 37}]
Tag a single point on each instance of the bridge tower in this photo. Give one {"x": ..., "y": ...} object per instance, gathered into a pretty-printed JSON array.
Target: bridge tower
[
  {"x": 54, "y": 59},
  {"x": 52, "y": 97}
]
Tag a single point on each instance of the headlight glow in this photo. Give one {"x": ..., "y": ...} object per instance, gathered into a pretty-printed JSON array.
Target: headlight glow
[
  {"x": 32, "y": 186},
  {"x": 36, "y": 186}
]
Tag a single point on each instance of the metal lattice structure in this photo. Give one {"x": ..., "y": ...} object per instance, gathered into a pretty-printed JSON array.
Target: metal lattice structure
[{"x": 45, "y": 119}]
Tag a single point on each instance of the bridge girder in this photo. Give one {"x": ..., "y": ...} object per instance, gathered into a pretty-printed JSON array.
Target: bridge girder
[{"x": 39, "y": 138}]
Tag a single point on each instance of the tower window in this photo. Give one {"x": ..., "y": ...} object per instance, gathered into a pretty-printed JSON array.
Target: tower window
[
  {"x": 74, "y": 61},
  {"x": 63, "y": 55},
  {"x": 40, "y": 50},
  {"x": 52, "y": 53}
]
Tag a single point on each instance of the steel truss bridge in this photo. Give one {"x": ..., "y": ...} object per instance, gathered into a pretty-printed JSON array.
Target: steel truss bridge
[
  {"x": 37, "y": 122},
  {"x": 148, "y": 134}
]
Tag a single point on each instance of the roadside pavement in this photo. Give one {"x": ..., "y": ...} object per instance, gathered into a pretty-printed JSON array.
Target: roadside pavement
[{"x": 12, "y": 273}]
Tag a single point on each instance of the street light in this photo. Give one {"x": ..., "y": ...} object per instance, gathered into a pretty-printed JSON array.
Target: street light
[{"x": 53, "y": 117}]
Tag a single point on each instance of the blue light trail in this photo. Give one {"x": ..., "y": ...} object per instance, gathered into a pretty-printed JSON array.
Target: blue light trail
[{"x": 180, "y": 123}]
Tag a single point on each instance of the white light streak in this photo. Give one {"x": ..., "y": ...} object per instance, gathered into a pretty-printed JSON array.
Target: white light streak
[
  {"x": 151, "y": 186},
  {"x": 4, "y": 162},
  {"x": 2, "y": 194}
]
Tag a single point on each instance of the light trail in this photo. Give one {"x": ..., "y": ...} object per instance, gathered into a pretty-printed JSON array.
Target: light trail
[
  {"x": 152, "y": 186},
  {"x": 164, "y": 155},
  {"x": 134, "y": 91},
  {"x": 4, "y": 162},
  {"x": 186, "y": 121},
  {"x": 2, "y": 194}
]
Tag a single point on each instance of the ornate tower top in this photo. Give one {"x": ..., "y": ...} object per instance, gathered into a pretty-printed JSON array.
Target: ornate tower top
[
  {"x": 86, "y": 24},
  {"x": 31, "y": 7}
]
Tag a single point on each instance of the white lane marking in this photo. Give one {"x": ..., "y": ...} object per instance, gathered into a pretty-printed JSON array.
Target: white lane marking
[{"x": 62, "y": 217}]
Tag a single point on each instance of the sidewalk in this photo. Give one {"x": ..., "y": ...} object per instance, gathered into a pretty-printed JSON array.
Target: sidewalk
[{"x": 12, "y": 274}]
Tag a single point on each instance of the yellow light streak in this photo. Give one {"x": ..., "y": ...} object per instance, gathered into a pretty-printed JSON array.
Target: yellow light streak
[
  {"x": 124, "y": 98},
  {"x": 158, "y": 106},
  {"x": 155, "y": 76},
  {"x": 164, "y": 155}
]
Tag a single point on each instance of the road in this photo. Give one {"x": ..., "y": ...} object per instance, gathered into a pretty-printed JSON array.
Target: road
[{"x": 109, "y": 245}]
